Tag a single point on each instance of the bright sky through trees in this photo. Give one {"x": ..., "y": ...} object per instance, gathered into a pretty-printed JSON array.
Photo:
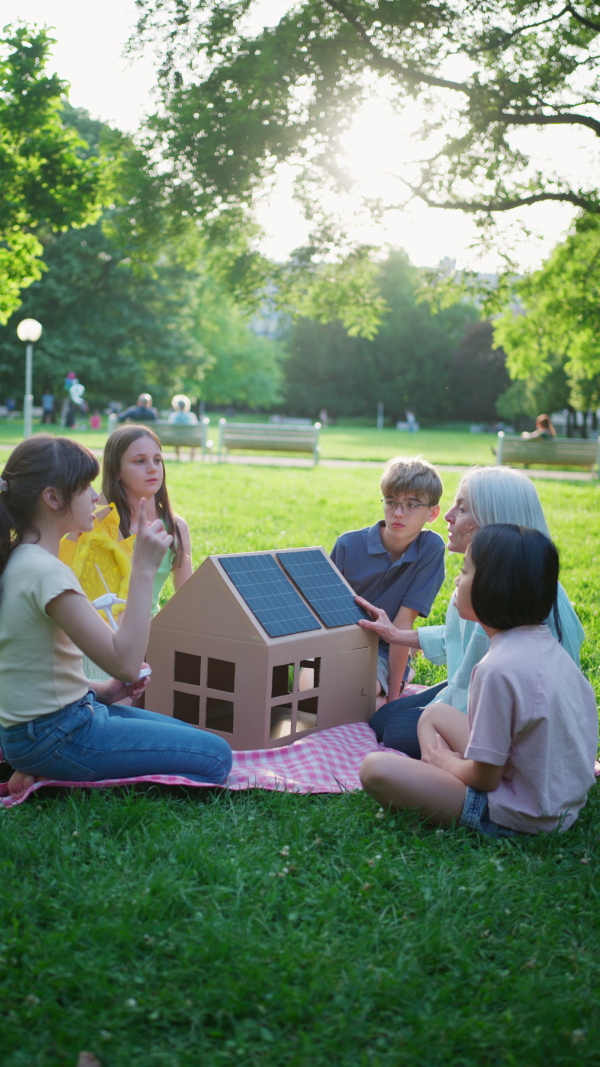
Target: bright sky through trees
[{"x": 89, "y": 54}]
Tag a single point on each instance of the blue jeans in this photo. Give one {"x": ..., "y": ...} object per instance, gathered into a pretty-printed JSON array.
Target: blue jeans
[
  {"x": 396, "y": 723},
  {"x": 87, "y": 742},
  {"x": 476, "y": 816}
]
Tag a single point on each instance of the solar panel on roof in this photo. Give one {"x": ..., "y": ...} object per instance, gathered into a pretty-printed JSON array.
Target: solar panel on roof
[
  {"x": 318, "y": 580},
  {"x": 269, "y": 594}
]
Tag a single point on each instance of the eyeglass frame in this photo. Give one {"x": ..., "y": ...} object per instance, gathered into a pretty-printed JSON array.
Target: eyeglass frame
[{"x": 409, "y": 505}]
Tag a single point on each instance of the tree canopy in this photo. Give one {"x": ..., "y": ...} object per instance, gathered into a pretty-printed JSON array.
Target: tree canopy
[
  {"x": 237, "y": 102},
  {"x": 416, "y": 360},
  {"x": 131, "y": 303},
  {"x": 47, "y": 185},
  {"x": 555, "y": 330}
]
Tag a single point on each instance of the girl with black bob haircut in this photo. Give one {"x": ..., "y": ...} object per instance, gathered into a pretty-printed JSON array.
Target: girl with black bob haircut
[
  {"x": 52, "y": 723},
  {"x": 516, "y": 577},
  {"x": 522, "y": 760}
]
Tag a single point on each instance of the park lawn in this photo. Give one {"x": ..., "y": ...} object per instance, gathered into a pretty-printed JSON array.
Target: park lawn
[
  {"x": 446, "y": 446},
  {"x": 450, "y": 445},
  {"x": 253, "y": 929}
]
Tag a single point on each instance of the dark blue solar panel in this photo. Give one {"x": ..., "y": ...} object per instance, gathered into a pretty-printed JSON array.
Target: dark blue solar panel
[
  {"x": 269, "y": 594},
  {"x": 318, "y": 580}
]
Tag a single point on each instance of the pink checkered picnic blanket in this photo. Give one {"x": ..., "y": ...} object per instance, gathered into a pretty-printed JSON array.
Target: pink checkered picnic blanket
[{"x": 324, "y": 762}]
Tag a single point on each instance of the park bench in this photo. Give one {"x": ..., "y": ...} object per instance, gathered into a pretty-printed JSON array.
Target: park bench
[
  {"x": 268, "y": 437},
  {"x": 183, "y": 435},
  {"x": 548, "y": 452},
  {"x": 175, "y": 434}
]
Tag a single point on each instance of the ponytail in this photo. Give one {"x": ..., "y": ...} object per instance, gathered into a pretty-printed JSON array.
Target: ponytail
[{"x": 35, "y": 464}]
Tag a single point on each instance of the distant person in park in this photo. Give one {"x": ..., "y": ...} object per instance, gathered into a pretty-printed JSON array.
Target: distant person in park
[
  {"x": 543, "y": 429},
  {"x": 132, "y": 471},
  {"x": 396, "y": 564},
  {"x": 52, "y": 724},
  {"x": 48, "y": 405},
  {"x": 485, "y": 495},
  {"x": 411, "y": 420},
  {"x": 142, "y": 411},
  {"x": 182, "y": 416},
  {"x": 95, "y": 421},
  {"x": 522, "y": 760}
]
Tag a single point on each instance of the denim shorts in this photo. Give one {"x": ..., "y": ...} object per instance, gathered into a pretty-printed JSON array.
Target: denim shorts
[{"x": 475, "y": 816}]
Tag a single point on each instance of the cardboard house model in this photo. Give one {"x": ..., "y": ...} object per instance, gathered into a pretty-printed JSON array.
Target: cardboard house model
[{"x": 228, "y": 649}]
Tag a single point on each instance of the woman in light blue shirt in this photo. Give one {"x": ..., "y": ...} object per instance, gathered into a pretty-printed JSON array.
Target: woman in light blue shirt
[{"x": 485, "y": 495}]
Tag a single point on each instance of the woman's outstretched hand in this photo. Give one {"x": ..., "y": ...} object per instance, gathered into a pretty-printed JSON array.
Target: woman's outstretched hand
[
  {"x": 380, "y": 622},
  {"x": 152, "y": 540}
]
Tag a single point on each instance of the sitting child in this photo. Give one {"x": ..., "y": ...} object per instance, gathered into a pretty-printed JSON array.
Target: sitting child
[
  {"x": 52, "y": 724},
  {"x": 396, "y": 564},
  {"x": 522, "y": 761}
]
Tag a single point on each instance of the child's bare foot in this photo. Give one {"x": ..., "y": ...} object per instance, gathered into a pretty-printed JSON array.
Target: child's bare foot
[{"x": 19, "y": 783}]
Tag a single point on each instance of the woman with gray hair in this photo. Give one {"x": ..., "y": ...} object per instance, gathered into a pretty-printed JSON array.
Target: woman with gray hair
[{"x": 485, "y": 495}]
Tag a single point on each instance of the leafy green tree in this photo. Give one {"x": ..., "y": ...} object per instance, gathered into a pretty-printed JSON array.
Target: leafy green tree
[
  {"x": 408, "y": 364},
  {"x": 129, "y": 303},
  {"x": 557, "y": 327},
  {"x": 119, "y": 329},
  {"x": 46, "y": 183},
  {"x": 477, "y": 374},
  {"x": 237, "y": 103}
]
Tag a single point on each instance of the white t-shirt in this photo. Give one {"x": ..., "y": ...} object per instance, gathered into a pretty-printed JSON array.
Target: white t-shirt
[
  {"x": 40, "y": 667},
  {"x": 532, "y": 711}
]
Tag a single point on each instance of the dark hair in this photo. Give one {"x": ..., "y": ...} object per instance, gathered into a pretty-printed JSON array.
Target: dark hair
[
  {"x": 516, "y": 577},
  {"x": 34, "y": 465},
  {"x": 114, "y": 449}
]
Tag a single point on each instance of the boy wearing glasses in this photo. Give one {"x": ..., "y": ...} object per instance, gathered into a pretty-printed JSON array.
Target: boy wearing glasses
[{"x": 396, "y": 564}]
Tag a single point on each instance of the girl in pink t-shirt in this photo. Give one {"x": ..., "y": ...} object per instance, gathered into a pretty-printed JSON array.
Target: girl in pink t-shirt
[{"x": 522, "y": 761}]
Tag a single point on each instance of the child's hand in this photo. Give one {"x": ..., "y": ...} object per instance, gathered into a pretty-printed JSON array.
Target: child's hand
[
  {"x": 152, "y": 540},
  {"x": 112, "y": 691},
  {"x": 440, "y": 753}
]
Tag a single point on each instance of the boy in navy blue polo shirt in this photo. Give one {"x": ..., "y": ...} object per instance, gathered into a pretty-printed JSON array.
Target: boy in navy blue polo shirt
[{"x": 396, "y": 564}]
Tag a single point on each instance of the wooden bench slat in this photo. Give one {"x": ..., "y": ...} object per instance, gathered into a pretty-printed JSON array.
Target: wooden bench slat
[
  {"x": 269, "y": 437},
  {"x": 565, "y": 452},
  {"x": 172, "y": 433}
]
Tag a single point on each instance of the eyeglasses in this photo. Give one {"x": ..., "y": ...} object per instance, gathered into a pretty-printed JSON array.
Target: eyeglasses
[{"x": 402, "y": 505}]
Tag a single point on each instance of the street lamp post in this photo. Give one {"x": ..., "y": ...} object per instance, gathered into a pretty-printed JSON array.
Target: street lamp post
[{"x": 29, "y": 331}]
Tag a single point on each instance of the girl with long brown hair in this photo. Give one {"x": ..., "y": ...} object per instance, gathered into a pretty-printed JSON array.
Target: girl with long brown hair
[{"x": 132, "y": 470}]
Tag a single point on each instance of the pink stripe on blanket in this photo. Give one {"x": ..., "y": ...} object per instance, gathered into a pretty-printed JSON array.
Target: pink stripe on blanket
[{"x": 325, "y": 762}]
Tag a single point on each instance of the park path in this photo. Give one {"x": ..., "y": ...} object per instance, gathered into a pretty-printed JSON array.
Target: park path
[{"x": 354, "y": 464}]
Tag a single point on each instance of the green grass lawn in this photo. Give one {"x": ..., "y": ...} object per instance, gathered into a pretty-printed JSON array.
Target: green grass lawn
[
  {"x": 452, "y": 444},
  {"x": 281, "y": 931}
]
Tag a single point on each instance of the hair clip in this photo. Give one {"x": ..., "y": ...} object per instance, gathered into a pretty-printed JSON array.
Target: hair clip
[{"x": 3, "y": 485}]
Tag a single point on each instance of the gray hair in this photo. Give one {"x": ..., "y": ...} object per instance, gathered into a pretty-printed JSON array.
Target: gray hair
[{"x": 503, "y": 494}]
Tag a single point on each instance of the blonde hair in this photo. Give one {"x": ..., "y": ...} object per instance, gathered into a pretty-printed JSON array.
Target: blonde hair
[{"x": 411, "y": 474}]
